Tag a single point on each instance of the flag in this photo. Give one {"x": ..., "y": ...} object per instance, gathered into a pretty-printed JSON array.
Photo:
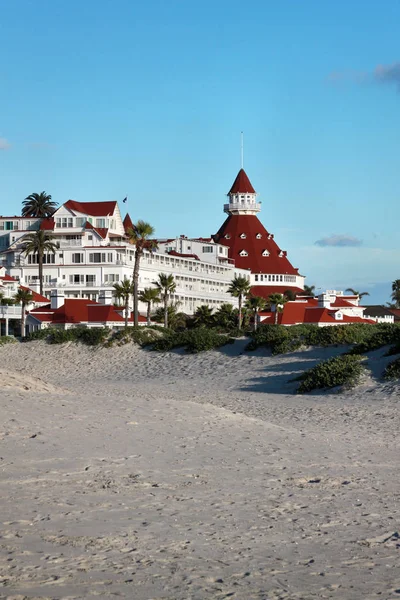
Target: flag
[{"x": 125, "y": 199}]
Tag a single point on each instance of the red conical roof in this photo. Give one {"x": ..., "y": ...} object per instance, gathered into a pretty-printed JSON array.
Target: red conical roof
[{"x": 242, "y": 184}]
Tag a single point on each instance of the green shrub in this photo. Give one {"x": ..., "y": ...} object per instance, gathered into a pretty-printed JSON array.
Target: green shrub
[
  {"x": 7, "y": 339},
  {"x": 341, "y": 370},
  {"x": 392, "y": 370},
  {"x": 139, "y": 335},
  {"x": 41, "y": 334},
  {"x": 286, "y": 339},
  {"x": 193, "y": 340}
]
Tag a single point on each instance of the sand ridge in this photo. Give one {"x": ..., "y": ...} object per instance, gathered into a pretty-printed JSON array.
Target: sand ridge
[{"x": 179, "y": 477}]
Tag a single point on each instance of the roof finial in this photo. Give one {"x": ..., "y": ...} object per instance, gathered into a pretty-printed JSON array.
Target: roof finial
[{"x": 241, "y": 149}]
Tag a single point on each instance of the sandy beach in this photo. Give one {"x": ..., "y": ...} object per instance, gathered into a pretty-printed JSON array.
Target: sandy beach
[{"x": 133, "y": 474}]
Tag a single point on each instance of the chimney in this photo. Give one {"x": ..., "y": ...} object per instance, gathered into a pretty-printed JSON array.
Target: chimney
[
  {"x": 56, "y": 299},
  {"x": 106, "y": 297},
  {"x": 324, "y": 301}
]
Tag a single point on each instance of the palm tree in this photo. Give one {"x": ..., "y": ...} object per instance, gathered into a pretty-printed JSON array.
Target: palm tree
[
  {"x": 203, "y": 316},
  {"x": 139, "y": 235},
  {"x": 290, "y": 295},
  {"x": 176, "y": 320},
  {"x": 38, "y": 243},
  {"x": 309, "y": 290},
  {"x": 278, "y": 302},
  {"x": 239, "y": 288},
  {"x": 123, "y": 291},
  {"x": 255, "y": 304},
  {"x": 38, "y": 205},
  {"x": 357, "y": 293},
  {"x": 226, "y": 316},
  {"x": 396, "y": 293},
  {"x": 166, "y": 286},
  {"x": 23, "y": 297},
  {"x": 149, "y": 296}
]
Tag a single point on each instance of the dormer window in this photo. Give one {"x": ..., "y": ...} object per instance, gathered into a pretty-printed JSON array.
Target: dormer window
[
  {"x": 227, "y": 236},
  {"x": 258, "y": 236},
  {"x": 243, "y": 253},
  {"x": 281, "y": 253},
  {"x": 243, "y": 236},
  {"x": 270, "y": 236},
  {"x": 265, "y": 253}
]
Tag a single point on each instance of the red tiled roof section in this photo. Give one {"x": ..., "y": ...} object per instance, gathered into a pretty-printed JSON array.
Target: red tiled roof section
[
  {"x": 257, "y": 240},
  {"x": 242, "y": 184},
  {"x": 102, "y": 231},
  {"x": 8, "y": 278},
  {"x": 128, "y": 224},
  {"x": 175, "y": 253},
  {"x": 47, "y": 224},
  {"x": 266, "y": 290},
  {"x": 35, "y": 296},
  {"x": 94, "y": 209}
]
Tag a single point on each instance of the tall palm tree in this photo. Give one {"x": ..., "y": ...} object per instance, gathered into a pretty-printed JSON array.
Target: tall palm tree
[
  {"x": 23, "y": 297},
  {"x": 38, "y": 205},
  {"x": 139, "y": 235},
  {"x": 255, "y": 304},
  {"x": 166, "y": 286},
  {"x": 357, "y": 293},
  {"x": 123, "y": 291},
  {"x": 278, "y": 302},
  {"x": 38, "y": 243},
  {"x": 396, "y": 292},
  {"x": 239, "y": 288},
  {"x": 309, "y": 290},
  {"x": 149, "y": 296},
  {"x": 290, "y": 294},
  {"x": 203, "y": 316}
]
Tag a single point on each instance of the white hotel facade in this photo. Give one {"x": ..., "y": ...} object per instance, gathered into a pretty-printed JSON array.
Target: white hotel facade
[{"x": 94, "y": 253}]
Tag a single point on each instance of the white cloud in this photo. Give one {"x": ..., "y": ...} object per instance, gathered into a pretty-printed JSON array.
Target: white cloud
[{"x": 4, "y": 144}]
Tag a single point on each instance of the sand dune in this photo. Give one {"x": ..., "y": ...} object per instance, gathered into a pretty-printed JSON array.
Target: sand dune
[{"x": 191, "y": 477}]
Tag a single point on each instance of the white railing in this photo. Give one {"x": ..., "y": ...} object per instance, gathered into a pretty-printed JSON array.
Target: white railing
[
  {"x": 70, "y": 243},
  {"x": 10, "y": 311},
  {"x": 255, "y": 206}
]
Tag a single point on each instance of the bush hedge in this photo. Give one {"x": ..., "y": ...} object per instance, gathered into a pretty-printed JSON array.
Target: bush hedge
[
  {"x": 7, "y": 339},
  {"x": 341, "y": 370},
  {"x": 281, "y": 339},
  {"x": 89, "y": 336},
  {"x": 392, "y": 370},
  {"x": 193, "y": 340}
]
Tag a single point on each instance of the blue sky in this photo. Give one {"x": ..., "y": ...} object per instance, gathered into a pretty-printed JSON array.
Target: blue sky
[{"x": 103, "y": 99}]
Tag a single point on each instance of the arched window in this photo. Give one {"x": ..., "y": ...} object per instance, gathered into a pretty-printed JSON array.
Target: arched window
[{"x": 243, "y": 236}]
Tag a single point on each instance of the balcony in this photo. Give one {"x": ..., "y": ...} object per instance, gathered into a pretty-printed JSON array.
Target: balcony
[
  {"x": 10, "y": 311},
  {"x": 250, "y": 206}
]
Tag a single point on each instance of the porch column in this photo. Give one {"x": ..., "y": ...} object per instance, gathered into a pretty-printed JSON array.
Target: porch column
[{"x": 6, "y": 331}]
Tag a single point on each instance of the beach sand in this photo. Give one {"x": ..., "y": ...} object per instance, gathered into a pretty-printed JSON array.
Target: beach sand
[{"x": 133, "y": 474}]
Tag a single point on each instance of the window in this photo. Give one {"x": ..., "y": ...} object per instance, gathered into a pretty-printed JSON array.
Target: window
[
  {"x": 207, "y": 249},
  {"x": 243, "y": 236},
  {"x": 265, "y": 253},
  {"x": 109, "y": 257},
  {"x": 97, "y": 257},
  {"x": 48, "y": 259},
  {"x": 227, "y": 236},
  {"x": 80, "y": 221},
  {"x": 256, "y": 277},
  {"x": 243, "y": 253},
  {"x": 77, "y": 257},
  {"x": 100, "y": 222},
  {"x": 259, "y": 236},
  {"x": 90, "y": 238},
  {"x": 91, "y": 279},
  {"x": 111, "y": 277},
  {"x": 76, "y": 278},
  {"x": 281, "y": 253},
  {"x": 64, "y": 222}
]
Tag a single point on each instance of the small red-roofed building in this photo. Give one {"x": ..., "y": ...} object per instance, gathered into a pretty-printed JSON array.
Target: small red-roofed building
[
  {"x": 252, "y": 247},
  {"x": 328, "y": 309},
  {"x": 66, "y": 313}
]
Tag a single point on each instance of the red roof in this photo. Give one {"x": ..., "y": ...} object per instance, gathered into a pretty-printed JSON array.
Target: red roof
[
  {"x": 242, "y": 184},
  {"x": 8, "y": 278},
  {"x": 257, "y": 240},
  {"x": 80, "y": 310},
  {"x": 266, "y": 290},
  {"x": 95, "y": 209},
  {"x": 175, "y": 253},
  {"x": 301, "y": 312},
  {"x": 47, "y": 224},
  {"x": 35, "y": 296},
  {"x": 128, "y": 224},
  {"x": 102, "y": 231},
  {"x": 340, "y": 302}
]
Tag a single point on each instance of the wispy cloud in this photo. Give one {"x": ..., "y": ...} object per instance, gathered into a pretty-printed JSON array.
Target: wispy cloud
[
  {"x": 382, "y": 74},
  {"x": 389, "y": 74},
  {"x": 4, "y": 144},
  {"x": 339, "y": 241}
]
